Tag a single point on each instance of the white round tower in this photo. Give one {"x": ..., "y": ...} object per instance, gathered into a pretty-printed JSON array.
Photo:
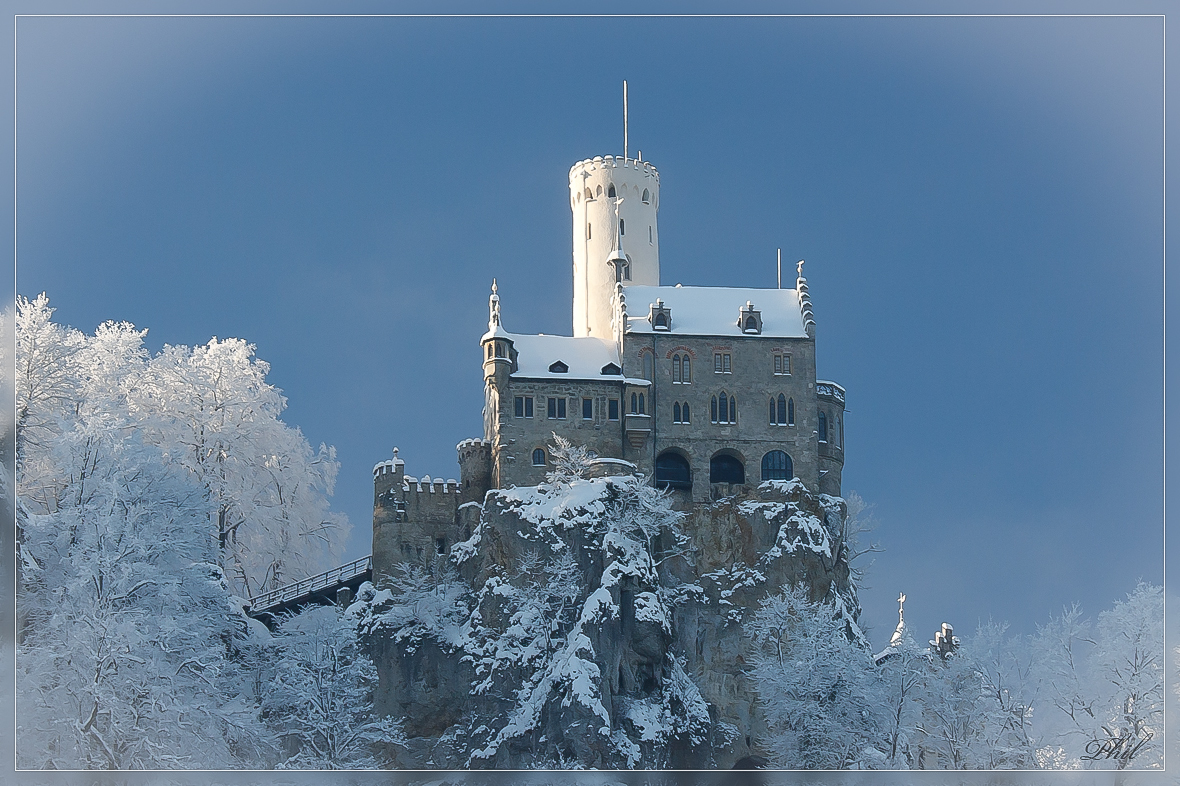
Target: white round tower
[{"x": 614, "y": 201}]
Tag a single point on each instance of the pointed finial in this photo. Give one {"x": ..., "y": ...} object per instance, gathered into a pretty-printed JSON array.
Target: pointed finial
[
  {"x": 900, "y": 606},
  {"x": 493, "y": 308},
  {"x": 395, "y": 452},
  {"x": 799, "y": 267}
]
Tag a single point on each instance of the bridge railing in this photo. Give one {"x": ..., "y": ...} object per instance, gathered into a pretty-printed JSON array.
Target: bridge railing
[{"x": 311, "y": 584}]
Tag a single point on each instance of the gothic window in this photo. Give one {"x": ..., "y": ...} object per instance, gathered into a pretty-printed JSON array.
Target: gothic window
[
  {"x": 685, "y": 370},
  {"x": 726, "y": 469},
  {"x": 676, "y": 412},
  {"x": 612, "y": 409},
  {"x": 556, "y": 408},
  {"x": 587, "y": 409},
  {"x": 661, "y": 321},
  {"x": 675, "y": 368},
  {"x": 589, "y": 193},
  {"x": 646, "y": 197},
  {"x": 641, "y": 408},
  {"x": 539, "y": 456},
  {"x": 782, "y": 410},
  {"x": 776, "y": 465},
  {"x": 634, "y": 403},
  {"x": 489, "y": 351},
  {"x": 611, "y": 192},
  {"x": 684, "y": 413},
  {"x": 622, "y": 227},
  {"x": 500, "y": 353},
  {"x": 751, "y": 324},
  {"x": 772, "y": 416},
  {"x": 598, "y": 191},
  {"x": 823, "y": 427},
  {"x": 647, "y": 358},
  {"x": 672, "y": 471},
  {"x": 790, "y": 412},
  {"x": 723, "y": 409}
]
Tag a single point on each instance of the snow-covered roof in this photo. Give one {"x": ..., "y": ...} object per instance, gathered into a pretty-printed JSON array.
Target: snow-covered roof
[
  {"x": 713, "y": 311},
  {"x": 585, "y": 357}
]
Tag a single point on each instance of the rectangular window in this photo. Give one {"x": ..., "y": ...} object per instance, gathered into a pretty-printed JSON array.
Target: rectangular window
[
  {"x": 782, "y": 364},
  {"x": 556, "y": 409},
  {"x": 721, "y": 363},
  {"x": 612, "y": 408},
  {"x": 523, "y": 406},
  {"x": 528, "y": 406},
  {"x": 519, "y": 407},
  {"x": 587, "y": 409},
  {"x": 725, "y": 364},
  {"x": 716, "y": 362}
]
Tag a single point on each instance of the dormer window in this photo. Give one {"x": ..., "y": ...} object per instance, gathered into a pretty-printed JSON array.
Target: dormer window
[
  {"x": 660, "y": 316},
  {"x": 558, "y": 367},
  {"x": 611, "y": 369},
  {"x": 750, "y": 319}
]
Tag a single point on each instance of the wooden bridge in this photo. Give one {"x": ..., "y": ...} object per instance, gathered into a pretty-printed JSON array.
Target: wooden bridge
[{"x": 323, "y": 589}]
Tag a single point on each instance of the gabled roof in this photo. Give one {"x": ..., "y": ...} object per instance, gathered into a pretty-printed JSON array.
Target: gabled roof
[
  {"x": 585, "y": 357},
  {"x": 713, "y": 311}
]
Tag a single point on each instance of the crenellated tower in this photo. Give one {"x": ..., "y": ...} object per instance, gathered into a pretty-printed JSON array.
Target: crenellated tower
[{"x": 614, "y": 200}]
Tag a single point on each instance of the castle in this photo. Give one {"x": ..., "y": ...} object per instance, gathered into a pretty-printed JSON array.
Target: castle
[{"x": 702, "y": 389}]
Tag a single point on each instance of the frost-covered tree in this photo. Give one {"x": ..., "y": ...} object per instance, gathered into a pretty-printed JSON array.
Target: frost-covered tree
[
  {"x": 132, "y": 652},
  {"x": 209, "y": 411},
  {"x": 319, "y": 699},
  {"x": 1104, "y": 685},
  {"x": 127, "y": 658},
  {"x": 817, "y": 685}
]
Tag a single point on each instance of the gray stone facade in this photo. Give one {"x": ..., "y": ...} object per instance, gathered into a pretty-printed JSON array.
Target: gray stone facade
[{"x": 746, "y": 407}]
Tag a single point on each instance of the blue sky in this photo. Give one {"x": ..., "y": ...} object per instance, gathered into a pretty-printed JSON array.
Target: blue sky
[{"x": 979, "y": 201}]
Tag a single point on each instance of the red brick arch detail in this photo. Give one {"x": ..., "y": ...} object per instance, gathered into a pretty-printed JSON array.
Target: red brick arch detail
[{"x": 668, "y": 355}]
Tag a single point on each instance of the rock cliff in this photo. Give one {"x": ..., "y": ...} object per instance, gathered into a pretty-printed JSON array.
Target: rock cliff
[{"x": 587, "y": 624}]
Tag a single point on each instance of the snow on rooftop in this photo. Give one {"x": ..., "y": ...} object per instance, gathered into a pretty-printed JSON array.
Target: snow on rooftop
[
  {"x": 713, "y": 311},
  {"x": 585, "y": 357}
]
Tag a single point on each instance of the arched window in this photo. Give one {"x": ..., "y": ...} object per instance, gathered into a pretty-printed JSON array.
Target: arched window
[
  {"x": 823, "y": 427},
  {"x": 622, "y": 227},
  {"x": 723, "y": 408},
  {"x": 661, "y": 321},
  {"x": 684, "y": 413},
  {"x": 751, "y": 323},
  {"x": 672, "y": 471},
  {"x": 641, "y": 410},
  {"x": 772, "y": 420},
  {"x": 646, "y": 197},
  {"x": 776, "y": 465},
  {"x": 538, "y": 458},
  {"x": 790, "y": 412},
  {"x": 489, "y": 351},
  {"x": 647, "y": 365},
  {"x": 726, "y": 469},
  {"x": 675, "y": 364},
  {"x": 782, "y": 410},
  {"x": 611, "y": 192},
  {"x": 676, "y": 412},
  {"x": 634, "y": 404},
  {"x": 589, "y": 193},
  {"x": 598, "y": 191},
  {"x": 713, "y": 410},
  {"x": 838, "y": 432},
  {"x": 685, "y": 370}
]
